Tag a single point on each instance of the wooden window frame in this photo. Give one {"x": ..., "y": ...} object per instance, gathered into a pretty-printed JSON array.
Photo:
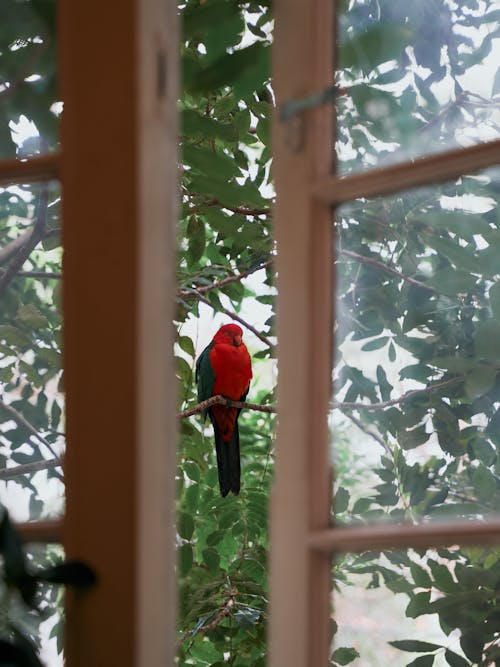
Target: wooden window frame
[
  {"x": 303, "y": 542},
  {"x": 118, "y": 170}
]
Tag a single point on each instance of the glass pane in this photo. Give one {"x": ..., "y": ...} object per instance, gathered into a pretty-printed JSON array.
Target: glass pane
[
  {"x": 415, "y": 78},
  {"x": 29, "y": 102},
  {"x": 436, "y": 607},
  {"x": 31, "y": 398},
  {"x": 417, "y": 388}
]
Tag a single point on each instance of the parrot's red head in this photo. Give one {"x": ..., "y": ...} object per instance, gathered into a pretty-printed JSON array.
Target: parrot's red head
[{"x": 230, "y": 334}]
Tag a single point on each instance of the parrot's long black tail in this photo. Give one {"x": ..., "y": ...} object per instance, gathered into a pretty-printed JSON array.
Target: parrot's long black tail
[{"x": 228, "y": 452}]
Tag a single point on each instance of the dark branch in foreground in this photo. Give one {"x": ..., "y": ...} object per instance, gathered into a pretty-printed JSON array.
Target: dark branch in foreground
[
  {"x": 24, "y": 251},
  {"x": 221, "y": 400},
  {"x": 28, "y": 468}
]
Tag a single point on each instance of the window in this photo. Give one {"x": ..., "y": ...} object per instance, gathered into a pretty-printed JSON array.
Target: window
[
  {"x": 304, "y": 540},
  {"x": 117, "y": 166}
]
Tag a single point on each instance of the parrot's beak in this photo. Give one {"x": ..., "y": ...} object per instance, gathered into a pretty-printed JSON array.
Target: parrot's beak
[{"x": 237, "y": 341}]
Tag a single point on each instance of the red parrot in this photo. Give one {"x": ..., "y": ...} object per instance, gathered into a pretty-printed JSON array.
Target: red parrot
[{"x": 224, "y": 367}]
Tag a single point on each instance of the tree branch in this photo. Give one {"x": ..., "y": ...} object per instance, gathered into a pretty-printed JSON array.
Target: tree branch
[
  {"x": 242, "y": 210},
  {"x": 217, "y": 284},
  {"x": 44, "y": 275},
  {"x": 388, "y": 269},
  {"x": 222, "y": 400},
  {"x": 372, "y": 434},
  {"x": 395, "y": 401},
  {"x": 24, "y": 251},
  {"x": 28, "y": 468},
  {"x": 236, "y": 317},
  {"x": 24, "y": 423}
]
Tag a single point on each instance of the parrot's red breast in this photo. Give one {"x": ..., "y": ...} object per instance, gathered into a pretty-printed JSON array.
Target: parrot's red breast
[{"x": 233, "y": 371}]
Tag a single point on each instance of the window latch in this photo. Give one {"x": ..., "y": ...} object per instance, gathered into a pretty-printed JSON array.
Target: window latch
[{"x": 291, "y": 108}]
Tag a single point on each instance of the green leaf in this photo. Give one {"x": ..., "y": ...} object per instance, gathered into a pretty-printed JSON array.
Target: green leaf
[
  {"x": 375, "y": 344},
  {"x": 472, "y": 644},
  {"x": 211, "y": 558},
  {"x": 384, "y": 385},
  {"x": 341, "y": 500},
  {"x": 14, "y": 336},
  {"x": 422, "y": 661},
  {"x": 186, "y": 344},
  {"x": 185, "y": 555},
  {"x": 374, "y": 46},
  {"x": 194, "y": 124},
  {"x": 442, "y": 576},
  {"x": 480, "y": 380},
  {"x": 245, "y": 70},
  {"x": 196, "y": 239},
  {"x": 484, "y": 483},
  {"x": 30, "y": 316},
  {"x": 207, "y": 161},
  {"x": 494, "y": 295},
  {"x": 344, "y": 655},
  {"x": 455, "y": 660},
  {"x": 185, "y": 525},
  {"x": 420, "y": 576},
  {"x": 192, "y": 470},
  {"x": 487, "y": 340},
  {"x": 483, "y": 451},
  {"x": 418, "y": 605},
  {"x": 414, "y": 645}
]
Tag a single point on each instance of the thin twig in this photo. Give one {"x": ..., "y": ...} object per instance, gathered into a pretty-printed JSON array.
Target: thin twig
[
  {"x": 222, "y": 400},
  {"x": 217, "y": 284},
  {"x": 28, "y": 468},
  {"x": 388, "y": 269},
  {"x": 242, "y": 210},
  {"x": 372, "y": 434},
  {"x": 24, "y": 423},
  {"x": 236, "y": 317},
  {"x": 386, "y": 404}
]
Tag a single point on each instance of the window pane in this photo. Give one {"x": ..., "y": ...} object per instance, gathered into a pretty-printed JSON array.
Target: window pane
[
  {"x": 417, "y": 414},
  {"x": 415, "y": 78},
  {"x": 29, "y": 100},
  {"x": 442, "y": 604},
  {"x": 31, "y": 399}
]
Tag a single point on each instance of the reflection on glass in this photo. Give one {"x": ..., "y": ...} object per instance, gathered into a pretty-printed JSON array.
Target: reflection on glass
[
  {"x": 416, "y": 418},
  {"x": 31, "y": 399},
  {"x": 439, "y": 607},
  {"x": 29, "y": 103},
  {"x": 415, "y": 78}
]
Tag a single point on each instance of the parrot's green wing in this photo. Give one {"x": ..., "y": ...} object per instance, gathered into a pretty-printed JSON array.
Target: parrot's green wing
[{"x": 205, "y": 376}]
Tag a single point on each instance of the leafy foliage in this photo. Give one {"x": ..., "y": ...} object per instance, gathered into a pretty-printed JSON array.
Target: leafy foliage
[{"x": 224, "y": 231}]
